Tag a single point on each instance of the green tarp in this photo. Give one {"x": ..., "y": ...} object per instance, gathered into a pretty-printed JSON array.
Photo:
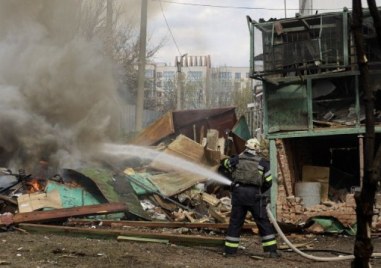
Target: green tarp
[{"x": 241, "y": 129}]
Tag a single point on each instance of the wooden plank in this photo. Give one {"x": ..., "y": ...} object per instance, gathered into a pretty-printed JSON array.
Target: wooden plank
[
  {"x": 156, "y": 131},
  {"x": 140, "y": 239},
  {"x": 189, "y": 240},
  {"x": 8, "y": 199},
  {"x": 210, "y": 199},
  {"x": 212, "y": 139},
  {"x": 6, "y": 219},
  {"x": 36, "y": 201},
  {"x": 56, "y": 214},
  {"x": 164, "y": 203},
  {"x": 217, "y": 216},
  {"x": 155, "y": 224},
  {"x": 172, "y": 183},
  {"x": 182, "y": 147},
  {"x": 213, "y": 156}
]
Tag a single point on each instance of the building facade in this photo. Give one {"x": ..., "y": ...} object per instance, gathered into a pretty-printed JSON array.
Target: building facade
[{"x": 198, "y": 84}]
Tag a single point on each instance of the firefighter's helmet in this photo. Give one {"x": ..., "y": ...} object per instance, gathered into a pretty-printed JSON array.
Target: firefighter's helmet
[{"x": 253, "y": 144}]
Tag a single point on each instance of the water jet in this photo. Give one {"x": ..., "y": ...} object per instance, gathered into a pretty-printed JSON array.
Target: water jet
[{"x": 127, "y": 150}]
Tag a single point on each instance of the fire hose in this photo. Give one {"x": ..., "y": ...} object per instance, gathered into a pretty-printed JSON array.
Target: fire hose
[{"x": 311, "y": 257}]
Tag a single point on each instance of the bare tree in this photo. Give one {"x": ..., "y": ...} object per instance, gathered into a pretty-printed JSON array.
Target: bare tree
[
  {"x": 241, "y": 99},
  {"x": 123, "y": 41},
  {"x": 363, "y": 248}
]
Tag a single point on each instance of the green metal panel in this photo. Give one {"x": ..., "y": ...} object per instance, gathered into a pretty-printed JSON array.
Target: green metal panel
[
  {"x": 72, "y": 196},
  {"x": 103, "y": 179},
  {"x": 287, "y": 108},
  {"x": 145, "y": 185},
  {"x": 287, "y": 132},
  {"x": 252, "y": 42},
  {"x": 241, "y": 129},
  {"x": 265, "y": 109},
  {"x": 328, "y": 132},
  {"x": 357, "y": 100},
  {"x": 116, "y": 188},
  {"x": 309, "y": 104}
]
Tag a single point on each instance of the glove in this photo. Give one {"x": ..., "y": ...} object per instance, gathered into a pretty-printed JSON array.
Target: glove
[
  {"x": 232, "y": 186},
  {"x": 225, "y": 167}
]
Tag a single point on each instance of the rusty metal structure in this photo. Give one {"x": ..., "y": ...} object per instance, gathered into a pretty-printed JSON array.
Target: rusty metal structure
[{"x": 312, "y": 102}]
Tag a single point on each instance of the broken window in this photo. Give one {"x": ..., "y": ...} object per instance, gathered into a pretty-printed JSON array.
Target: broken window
[
  {"x": 289, "y": 109},
  {"x": 334, "y": 102}
]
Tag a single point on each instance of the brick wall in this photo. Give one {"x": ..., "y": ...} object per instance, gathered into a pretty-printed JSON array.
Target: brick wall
[{"x": 290, "y": 209}]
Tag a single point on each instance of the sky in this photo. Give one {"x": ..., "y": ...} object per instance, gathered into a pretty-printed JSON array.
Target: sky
[{"x": 217, "y": 27}]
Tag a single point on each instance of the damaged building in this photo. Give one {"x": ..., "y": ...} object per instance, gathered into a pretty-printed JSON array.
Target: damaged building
[{"x": 313, "y": 111}]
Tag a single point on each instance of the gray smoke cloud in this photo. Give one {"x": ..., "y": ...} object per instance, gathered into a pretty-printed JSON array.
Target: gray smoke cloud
[{"x": 58, "y": 98}]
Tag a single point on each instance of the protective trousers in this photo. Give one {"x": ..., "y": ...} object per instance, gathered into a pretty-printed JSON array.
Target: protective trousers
[{"x": 244, "y": 199}]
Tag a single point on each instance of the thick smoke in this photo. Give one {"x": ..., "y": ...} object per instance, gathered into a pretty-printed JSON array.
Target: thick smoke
[{"x": 58, "y": 98}]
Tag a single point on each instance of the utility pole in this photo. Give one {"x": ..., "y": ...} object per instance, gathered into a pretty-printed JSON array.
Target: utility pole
[
  {"x": 305, "y": 7},
  {"x": 142, "y": 66},
  {"x": 179, "y": 82}
]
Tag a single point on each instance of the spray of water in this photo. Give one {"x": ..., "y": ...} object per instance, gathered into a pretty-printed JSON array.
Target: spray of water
[{"x": 120, "y": 150}]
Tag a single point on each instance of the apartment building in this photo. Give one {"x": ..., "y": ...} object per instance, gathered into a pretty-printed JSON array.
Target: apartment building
[{"x": 200, "y": 85}]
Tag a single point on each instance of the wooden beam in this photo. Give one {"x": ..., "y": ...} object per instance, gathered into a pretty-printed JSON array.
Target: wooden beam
[
  {"x": 56, "y": 214},
  {"x": 155, "y": 224},
  {"x": 189, "y": 240},
  {"x": 140, "y": 239},
  {"x": 8, "y": 199}
]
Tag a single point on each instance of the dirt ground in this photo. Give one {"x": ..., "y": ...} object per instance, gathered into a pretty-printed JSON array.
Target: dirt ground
[{"x": 20, "y": 249}]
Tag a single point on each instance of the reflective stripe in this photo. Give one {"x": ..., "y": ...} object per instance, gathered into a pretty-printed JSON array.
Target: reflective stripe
[
  {"x": 267, "y": 237},
  {"x": 260, "y": 168},
  {"x": 227, "y": 165},
  {"x": 231, "y": 245},
  {"x": 230, "y": 238},
  {"x": 268, "y": 173},
  {"x": 269, "y": 178},
  {"x": 269, "y": 243}
]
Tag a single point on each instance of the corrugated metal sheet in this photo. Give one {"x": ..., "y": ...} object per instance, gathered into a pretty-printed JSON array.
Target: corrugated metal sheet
[
  {"x": 184, "y": 148},
  {"x": 191, "y": 123},
  {"x": 72, "y": 196},
  {"x": 194, "y": 122},
  {"x": 155, "y": 132},
  {"x": 241, "y": 129},
  {"x": 170, "y": 184},
  {"x": 112, "y": 188}
]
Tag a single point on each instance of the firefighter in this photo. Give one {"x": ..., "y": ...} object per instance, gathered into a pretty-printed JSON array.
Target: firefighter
[{"x": 250, "y": 192}]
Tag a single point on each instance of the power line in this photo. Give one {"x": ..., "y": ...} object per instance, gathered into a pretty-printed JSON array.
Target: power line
[
  {"x": 236, "y": 7},
  {"x": 173, "y": 37},
  {"x": 169, "y": 28}
]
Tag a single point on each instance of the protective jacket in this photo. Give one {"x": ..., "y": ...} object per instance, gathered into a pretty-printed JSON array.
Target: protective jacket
[{"x": 249, "y": 168}]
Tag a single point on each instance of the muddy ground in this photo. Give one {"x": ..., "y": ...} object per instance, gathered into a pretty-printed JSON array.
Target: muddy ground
[{"x": 21, "y": 249}]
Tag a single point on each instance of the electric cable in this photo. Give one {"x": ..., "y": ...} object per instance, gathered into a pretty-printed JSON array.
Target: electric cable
[
  {"x": 236, "y": 7},
  {"x": 177, "y": 46}
]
